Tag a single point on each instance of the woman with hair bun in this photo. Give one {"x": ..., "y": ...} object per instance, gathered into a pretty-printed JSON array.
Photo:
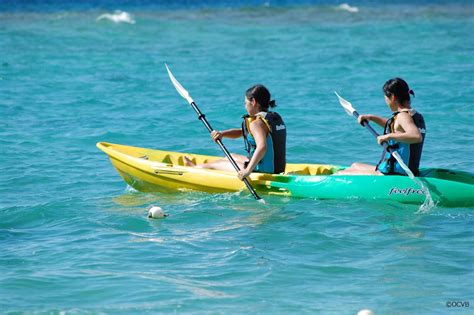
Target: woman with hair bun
[
  {"x": 404, "y": 131},
  {"x": 264, "y": 134}
]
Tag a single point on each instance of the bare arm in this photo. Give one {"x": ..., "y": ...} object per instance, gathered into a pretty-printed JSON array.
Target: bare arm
[
  {"x": 406, "y": 131},
  {"x": 259, "y": 132},
  {"x": 376, "y": 119},
  {"x": 229, "y": 133},
  {"x": 232, "y": 133}
]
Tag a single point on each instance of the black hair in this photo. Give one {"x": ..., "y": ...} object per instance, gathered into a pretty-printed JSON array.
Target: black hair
[
  {"x": 400, "y": 89},
  {"x": 261, "y": 94}
]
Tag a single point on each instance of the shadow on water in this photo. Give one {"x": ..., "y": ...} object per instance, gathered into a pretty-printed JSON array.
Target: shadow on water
[
  {"x": 405, "y": 222},
  {"x": 194, "y": 201},
  {"x": 194, "y": 206}
]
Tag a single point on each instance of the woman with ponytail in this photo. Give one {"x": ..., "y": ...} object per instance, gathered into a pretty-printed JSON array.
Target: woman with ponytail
[
  {"x": 264, "y": 134},
  {"x": 404, "y": 131}
]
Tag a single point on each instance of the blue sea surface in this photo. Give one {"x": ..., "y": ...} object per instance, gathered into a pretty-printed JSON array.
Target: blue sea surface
[{"x": 75, "y": 239}]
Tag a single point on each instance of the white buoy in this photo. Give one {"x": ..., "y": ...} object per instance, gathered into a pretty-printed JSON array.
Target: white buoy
[
  {"x": 156, "y": 212},
  {"x": 365, "y": 312}
]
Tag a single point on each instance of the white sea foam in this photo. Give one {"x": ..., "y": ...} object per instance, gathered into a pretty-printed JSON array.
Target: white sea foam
[
  {"x": 130, "y": 189},
  {"x": 117, "y": 17},
  {"x": 348, "y": 8},
  {"x": 428, "y": 204}
]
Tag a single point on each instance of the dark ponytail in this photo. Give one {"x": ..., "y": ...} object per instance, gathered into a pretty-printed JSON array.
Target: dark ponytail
[
  {"x": 261, "y": 94},
  {"x": 400, "y": 89}
]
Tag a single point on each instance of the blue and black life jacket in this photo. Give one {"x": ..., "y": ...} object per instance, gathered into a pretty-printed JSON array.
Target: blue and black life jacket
[
  {"x": 410, "y": 153},
  {"x": 274, "y": 160}
]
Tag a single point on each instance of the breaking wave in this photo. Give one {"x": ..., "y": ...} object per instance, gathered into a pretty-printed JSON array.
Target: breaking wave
[
  {"x": 348, "y": 8},
  {"x": 117, "y": 17}
]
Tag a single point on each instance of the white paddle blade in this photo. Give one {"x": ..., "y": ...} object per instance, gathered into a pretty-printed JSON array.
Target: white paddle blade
[
  {"x": 345, "y": 104},
  {"x": 181, "y": 90},
  {"x": 402, "y": 164}
]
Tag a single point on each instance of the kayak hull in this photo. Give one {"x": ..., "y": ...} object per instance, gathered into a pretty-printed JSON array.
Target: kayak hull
[
  {"x": 396, "y": 188},
  {"x": 150, "y": 170}
]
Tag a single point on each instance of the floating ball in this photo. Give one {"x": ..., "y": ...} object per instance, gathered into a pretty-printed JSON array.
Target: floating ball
[{"x": 156, "y": 212}]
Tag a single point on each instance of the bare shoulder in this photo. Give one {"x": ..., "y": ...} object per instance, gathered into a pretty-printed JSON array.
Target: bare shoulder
[
  {"x": 404, "y": 121},
  {"x": 404, "y": 117},
  {"x": 257, "y": 125}
]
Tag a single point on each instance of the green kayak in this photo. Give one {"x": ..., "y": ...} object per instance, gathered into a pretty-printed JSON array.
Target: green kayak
[
  {"x": 151, "y": 170},
  {"x": 447, "y": 187}
]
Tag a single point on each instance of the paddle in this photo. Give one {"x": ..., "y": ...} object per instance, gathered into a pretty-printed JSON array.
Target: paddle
[
  {"x": 352, "y": 112},
  {"x": 202, "y": 118}
]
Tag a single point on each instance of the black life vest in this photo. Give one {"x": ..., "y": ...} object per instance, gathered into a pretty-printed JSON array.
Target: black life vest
[
  {"x": 410, "y": 153},
  {"x": 274, "y": 160}
]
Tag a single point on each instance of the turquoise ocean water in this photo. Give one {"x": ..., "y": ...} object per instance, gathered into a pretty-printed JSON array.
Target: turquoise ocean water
[{"x": 74, "y": 239}]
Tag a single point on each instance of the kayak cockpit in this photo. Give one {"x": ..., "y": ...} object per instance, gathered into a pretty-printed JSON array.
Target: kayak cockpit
[
  {"x": 311, "y": 169},
  {"x": 177, "y": 159}
]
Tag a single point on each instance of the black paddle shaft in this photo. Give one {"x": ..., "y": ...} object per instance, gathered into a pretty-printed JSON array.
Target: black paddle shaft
[
  {"x": 202, "y": 118},
  {"x": 366, "y": 124}
]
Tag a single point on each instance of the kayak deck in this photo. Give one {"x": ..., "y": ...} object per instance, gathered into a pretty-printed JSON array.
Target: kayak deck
[
  {"x": 176, "y": 159},
  {"x": 151, "y": 170}
]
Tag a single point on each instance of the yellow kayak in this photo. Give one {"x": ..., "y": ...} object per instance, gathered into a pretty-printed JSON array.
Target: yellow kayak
[{"x": 150, "y": 170}]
